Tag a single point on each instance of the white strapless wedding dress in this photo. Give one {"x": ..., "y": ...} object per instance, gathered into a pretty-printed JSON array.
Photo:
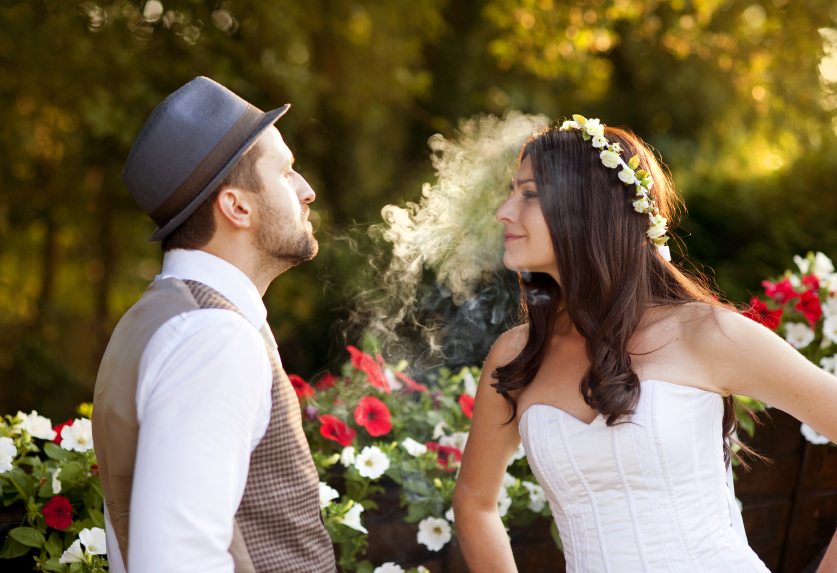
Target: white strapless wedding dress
[{"x": 650, "y": 495}]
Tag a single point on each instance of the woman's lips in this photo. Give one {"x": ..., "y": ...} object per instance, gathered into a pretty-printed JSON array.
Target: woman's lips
[{"x": 511, "y": 237}]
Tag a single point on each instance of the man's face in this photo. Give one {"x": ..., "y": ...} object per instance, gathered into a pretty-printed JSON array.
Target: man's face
[{"x": 283, "y": 232}]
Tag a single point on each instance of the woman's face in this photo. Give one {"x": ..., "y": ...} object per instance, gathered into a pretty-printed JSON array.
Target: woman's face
[{"x": 526, "y": 235}]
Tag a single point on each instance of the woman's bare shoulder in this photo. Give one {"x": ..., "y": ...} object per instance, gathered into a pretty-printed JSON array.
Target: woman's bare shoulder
[{"x": 508, "y": 345}]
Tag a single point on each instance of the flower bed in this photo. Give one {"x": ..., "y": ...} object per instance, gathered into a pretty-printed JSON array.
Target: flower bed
[{"x": 376, "y": 435}]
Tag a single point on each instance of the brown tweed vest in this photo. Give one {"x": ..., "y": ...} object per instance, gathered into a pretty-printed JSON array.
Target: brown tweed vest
[{"x": 278, "y": 526}]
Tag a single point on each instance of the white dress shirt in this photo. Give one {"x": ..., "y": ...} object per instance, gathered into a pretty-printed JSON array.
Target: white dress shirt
[{"x": 203, "y": 404}]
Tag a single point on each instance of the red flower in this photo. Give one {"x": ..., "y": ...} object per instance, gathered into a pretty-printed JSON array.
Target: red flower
[
  {"x": 781, "y": 291},
  {"x": 368, "y": 366},
  {"x": 301, "y": 387},
  {"x": 810, "y": 307},
  {"x": 58, "y": 512},
  {"x": 443, "y": 455},
  {"x": 410, "y": 383},
  {"x": 58, "y": 428},
  {"x": 373, "y": 415},
  {"x": 759, "y": 312},
  {"x": 325, "y": 381},
  {"x": 336, "y": 430},
  {"x": 812, "y": 282},
  {"x": 466, "y": 402}
]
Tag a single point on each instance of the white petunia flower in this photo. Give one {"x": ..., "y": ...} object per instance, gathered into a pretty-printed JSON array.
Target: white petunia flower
[
  {"x": 503, "y": 502},
  {"x": 347, "y": 457},
  {"x": 371, "y": 462},
  {"x": 830, "y": 284},
  {"x": 450, "y": 515},
  {"x": 829, "y": 328},
  {"x": 388, "y": 567},
  {"x": 352, "y": 518},
  {"x": 829, "y": 306},
  {"x": 802, "y": 263},
  {"x": 73, "y": 554},
  {"x": 798, "y": 334},
  {"x": 642, "y": 205},
  {"x": 829, "y": 364},
  {"x": 823, "y": 267},
  {"x": 439, "y": 430},
  {"x": 599, "y": 142},
  {"x": 8, "y": 451},
  {"x": 456, "y": 440},
  {"x": 812, "y": 435},
  {"x": 56, "y": 483},
  {"x": 413, "y": 447},
  {"x": 470, "y": 383},
  {"x": 627, "y": 176},
  {"x": 537, "y": 496},
  {"x": 509, "y": 480},
  {"x": 78, "y": 437},
  {"x": 327, "y": 495},
  {"x": 37, "y": 426},
  {"x": 94, "y": 540},
  {"x": 433, "y": 533},
  {"x": 609, "y": 159}
]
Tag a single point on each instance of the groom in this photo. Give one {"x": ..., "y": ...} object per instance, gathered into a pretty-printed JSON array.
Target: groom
[{"x": 196, "y": 427}]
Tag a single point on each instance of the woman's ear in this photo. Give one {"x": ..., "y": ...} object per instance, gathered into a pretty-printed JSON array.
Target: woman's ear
[{"x": 234, "y": 207}]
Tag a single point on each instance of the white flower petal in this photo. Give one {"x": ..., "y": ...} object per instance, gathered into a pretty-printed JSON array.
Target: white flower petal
[
  {"x": 388, "y": 567},
  {"x": 413, "y": 447},
  {"x": 327, "y": 495},
  {"x": 434, "y": 533},
  {"x": 799, "y": 335},
  {"x": 371, "y": 462},
  {"x": 352, "y": 518},
  {"x": 8, "y": 451},
  {"x": 78, "y": 437},
  {"x": 73, "y": 554},
  {"x": 94, "y": 540}
]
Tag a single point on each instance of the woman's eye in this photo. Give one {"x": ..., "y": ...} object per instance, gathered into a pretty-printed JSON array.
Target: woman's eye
[{"x": 530, "y": 194}]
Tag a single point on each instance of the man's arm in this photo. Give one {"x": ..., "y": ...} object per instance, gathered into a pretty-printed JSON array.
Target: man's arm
[{"x": 200, "y": 410}]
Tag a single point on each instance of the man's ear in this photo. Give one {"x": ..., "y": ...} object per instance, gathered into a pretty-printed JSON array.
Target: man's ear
[{"x": 234, "y": 207}]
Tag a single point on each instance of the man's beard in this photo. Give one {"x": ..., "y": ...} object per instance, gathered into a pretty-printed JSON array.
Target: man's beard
[{"x": 279, "y": 244}]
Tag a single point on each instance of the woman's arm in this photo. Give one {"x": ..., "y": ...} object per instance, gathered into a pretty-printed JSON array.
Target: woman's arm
[
  {"x": 829, "y": 561},
  {"x": 479, "y": 529},
  {"x": 747, "y": 358}
]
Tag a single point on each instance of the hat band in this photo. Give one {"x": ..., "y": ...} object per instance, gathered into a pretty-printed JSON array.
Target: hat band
[{"x": 217, "y": 157}]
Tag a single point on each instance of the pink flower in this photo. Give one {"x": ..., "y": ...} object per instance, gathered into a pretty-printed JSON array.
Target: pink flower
[
  {"x": 443, "y": 455},
  {"x": 781, "y": 291},
  {"x": 58, "y": 512},
  {"x": 410, "y": 383},
  {"x": 759, "y": 312},
  {"x": 302, "y": 388},
  {"x": 373, "y": 415},
  {"x": 466, "y": 402},
  {"x": 336, "y": 430},
  {"x": 370, "y": 367},
  {"x": 810, "y": 307}
]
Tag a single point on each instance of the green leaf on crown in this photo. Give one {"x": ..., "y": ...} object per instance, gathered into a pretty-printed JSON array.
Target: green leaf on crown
[
  {"x": 633, "y": 163},
  {"x": 580, "y": 119},
  {"x": 642, "y": 173}
]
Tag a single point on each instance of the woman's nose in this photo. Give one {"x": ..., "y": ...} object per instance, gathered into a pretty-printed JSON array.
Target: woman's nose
[{"x": 505, "y": 213}]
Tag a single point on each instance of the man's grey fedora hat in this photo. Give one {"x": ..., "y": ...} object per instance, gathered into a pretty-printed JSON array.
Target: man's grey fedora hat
[{"x": 186, "y": 148}]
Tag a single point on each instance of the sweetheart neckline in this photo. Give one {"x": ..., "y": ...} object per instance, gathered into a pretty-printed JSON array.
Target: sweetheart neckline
[{"x": 598, "y": 414}]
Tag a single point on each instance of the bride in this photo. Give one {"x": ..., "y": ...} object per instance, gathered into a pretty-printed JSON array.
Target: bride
[{"x": 620, "y": 381}]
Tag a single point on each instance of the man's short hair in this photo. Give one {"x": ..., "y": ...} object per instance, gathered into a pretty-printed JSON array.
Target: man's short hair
[{"x": 196, "y": 231}]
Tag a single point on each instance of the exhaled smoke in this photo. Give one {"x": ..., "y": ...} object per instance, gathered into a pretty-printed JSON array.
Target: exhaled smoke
[{"x": 451, "y": 233}]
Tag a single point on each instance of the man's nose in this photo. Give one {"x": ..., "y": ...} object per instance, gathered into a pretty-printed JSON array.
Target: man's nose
[{"x": 303, "y": 190}]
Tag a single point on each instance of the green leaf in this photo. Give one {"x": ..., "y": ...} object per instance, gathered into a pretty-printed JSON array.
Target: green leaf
[
  {"x": 55, "y": 452},
  {"x": 633, "y": 162},
  {"x": 54, "y": 546},
  {"x": 12, "y": 549},
  {"x": 72, "y": 472},
  {"x": 580, "y": 119},
  {"x": 22, "y": 482},
  {"x": 97, "y": 516},
  {"x": 28, "y": 536},
  {"x": 54, "y": 565},
  {"x": 641, "y": 174}
]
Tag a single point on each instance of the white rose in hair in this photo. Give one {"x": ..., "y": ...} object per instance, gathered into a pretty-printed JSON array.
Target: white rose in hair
[
  {"x": 594, "y": 127},
  {"x": 609, "y": 159},
  {"x": 642, "y": 205},
  {"x": 658, "y": 227},
  {"x": 627, "y": 176},
  {"x": 599, "y": 142}
]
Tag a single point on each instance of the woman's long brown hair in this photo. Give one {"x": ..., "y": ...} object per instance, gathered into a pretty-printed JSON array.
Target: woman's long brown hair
[{"x": 610, "y": 272}]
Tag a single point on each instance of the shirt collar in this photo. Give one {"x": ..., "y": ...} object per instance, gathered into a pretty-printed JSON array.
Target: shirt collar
[{"x": 219, "y": 274}]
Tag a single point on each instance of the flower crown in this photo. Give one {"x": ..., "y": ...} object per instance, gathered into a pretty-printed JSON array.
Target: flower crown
[{"x": 629, "y": 175}]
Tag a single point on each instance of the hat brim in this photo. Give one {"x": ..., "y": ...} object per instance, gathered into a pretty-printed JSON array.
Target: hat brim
[{"x": 269, "y": 119}]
